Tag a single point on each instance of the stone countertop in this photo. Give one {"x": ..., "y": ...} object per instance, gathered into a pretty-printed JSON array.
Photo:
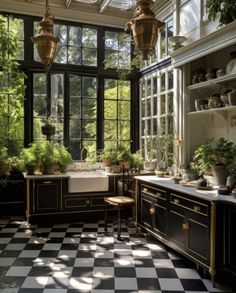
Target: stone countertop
[{"x": 210, "y": 195}]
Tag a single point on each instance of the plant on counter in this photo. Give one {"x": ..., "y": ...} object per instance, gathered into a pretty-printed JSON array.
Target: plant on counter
[
  {"x": 137, "y": 159},
  {"x": 29, "y": 160},
  {"x": 211, "y": 155},
  {"x": 63, "y": 157},
  {"x": 106, "y": 156}
]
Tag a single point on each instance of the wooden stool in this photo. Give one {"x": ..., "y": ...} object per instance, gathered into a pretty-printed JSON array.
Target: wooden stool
[{"x": 118, "y": 202}]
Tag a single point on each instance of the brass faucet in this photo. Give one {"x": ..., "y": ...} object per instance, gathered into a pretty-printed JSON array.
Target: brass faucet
[{"x": 81, "y": 157}]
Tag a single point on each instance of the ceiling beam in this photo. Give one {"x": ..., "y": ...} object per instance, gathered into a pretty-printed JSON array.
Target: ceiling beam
[{"x": 104, "y": 5}]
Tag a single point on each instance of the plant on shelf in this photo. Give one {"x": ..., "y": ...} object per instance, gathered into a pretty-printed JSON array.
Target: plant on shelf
[
  {"x": 45, "y": 152},
  {"x": 216, "y": 156},
  {"x": 225, "y": 9},
  {"x": 124, "y": 157},
  {"x": 63, "y": 157},
  {"x": 106, "y": 156}
]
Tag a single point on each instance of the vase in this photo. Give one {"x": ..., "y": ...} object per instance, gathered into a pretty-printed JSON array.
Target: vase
[
  {"x": 232, "y": 98},
  {"x": 199, "y": 103},
  {"x": 220, "y": 174}
]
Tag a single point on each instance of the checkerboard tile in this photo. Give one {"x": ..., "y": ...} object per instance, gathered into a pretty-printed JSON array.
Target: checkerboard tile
[{"x": 80, "y": 257}]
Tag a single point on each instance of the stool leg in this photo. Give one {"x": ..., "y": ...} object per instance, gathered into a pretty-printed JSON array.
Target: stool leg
[
  {"x": 105, "y": 226},
  {"x": 119, "y": 224}
]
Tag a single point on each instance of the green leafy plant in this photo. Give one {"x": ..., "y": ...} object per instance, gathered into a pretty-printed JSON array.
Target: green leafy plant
[
  {"x": 11, "y": 78},
  {"x": 63, "y": 157},
  {"x": 4, "y": 162},
  {"x": 29, "y": 160},
  {"x": 226, "y": 9},
  {"x": 209, "y": 154},
  {"x": 137, "y": 159}
]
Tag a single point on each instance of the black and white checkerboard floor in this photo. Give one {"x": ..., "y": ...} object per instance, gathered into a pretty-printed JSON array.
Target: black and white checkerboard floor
[{"x": 79, "y": 257}]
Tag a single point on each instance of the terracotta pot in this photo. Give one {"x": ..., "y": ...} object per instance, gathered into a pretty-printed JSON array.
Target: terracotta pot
[{"x": 220, "y": 174}]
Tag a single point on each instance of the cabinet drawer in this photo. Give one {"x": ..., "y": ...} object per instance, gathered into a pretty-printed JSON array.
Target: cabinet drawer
[
  {"x": 155, "y": 192},
  {"x": 190, "y": 204}
]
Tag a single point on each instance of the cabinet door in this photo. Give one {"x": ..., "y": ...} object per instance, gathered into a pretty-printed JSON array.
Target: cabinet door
[
  {"x": 147, "y": 211},
  {"x": 178, "y": 227},
  {"x": 47, "y": 196},
  {"x": 198, "y": 240},
  {"x": 161, "y": 219},
  {"x": 230, "y": 241}
]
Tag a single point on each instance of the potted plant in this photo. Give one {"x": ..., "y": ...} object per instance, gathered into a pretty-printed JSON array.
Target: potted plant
[
  {"x": 63, "y": 157},
  {"x": 137, "y": 160},
  {"x": 29, "y": 160},
  {"x": 225, "y": 9},
  {"x": 106, "y": 156},
  {"x": 124, "y": 157},
  {"x": 216, "y": 156}
]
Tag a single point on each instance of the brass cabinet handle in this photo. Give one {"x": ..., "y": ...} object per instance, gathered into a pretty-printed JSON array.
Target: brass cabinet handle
[
  {"x": 145, "y": 189},
  {"x": 152, "y": 211},
  {"x": 196, "y": 208},
  {"x": 158, "y": 194},
  {"x": 185, "y": 226},
  {"x": 47, "y": 182},
  {"x": 176, "y": 200}
]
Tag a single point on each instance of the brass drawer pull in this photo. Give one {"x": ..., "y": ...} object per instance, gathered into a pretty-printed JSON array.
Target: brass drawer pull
[
  {"x": 158, "y": 194},
  {"x": 185, "y": 226},
  {"x": 176, "y": 200},
  {"x": 196, "y": 208},
  {"x": 145, "y": 189},
  {"x": 152, "y": 211},
  {"x": 47, "y": 182}
]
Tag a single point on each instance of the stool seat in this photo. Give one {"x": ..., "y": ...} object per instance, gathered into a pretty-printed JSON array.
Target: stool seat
[{"x": 119, "y": 200}]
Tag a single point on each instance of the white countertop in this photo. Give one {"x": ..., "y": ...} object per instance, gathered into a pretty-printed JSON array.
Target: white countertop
[{"x": 210, "y": 195}]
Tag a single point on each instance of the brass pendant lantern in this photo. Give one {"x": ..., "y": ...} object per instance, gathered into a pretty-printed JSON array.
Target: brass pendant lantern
[
  {"x": 46, "y": 42},
  {"x": 144, "y": 27}
]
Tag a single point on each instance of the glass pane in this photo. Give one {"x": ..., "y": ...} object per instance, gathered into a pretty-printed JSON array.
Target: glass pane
[
  {"x": 154, "y": 90},
  {"x": 148, "y": 127},
  {"x": 89, "y": 57},
  {"x": 59, "y": 135},
  {"x": 170, "y": 124},
  {"x": 111, "y": 40},
  {"x": 149, "y": 107},
  {"x": 110, "y": 89},
  {"x": 57, "y": 95},
  {"x": 169, "y": 34},
  {"x": 110, "y": 144},
  {"x": 20, "y": 50},
  {"x": 61, "y": 55},
  {"x": 124, "y": 130},
  {"x": 155, "y": 126},
  {"x": 163, "y": 44},
  {"x": 170, "y": 103},
  {"x": 163, "y": 125},
  {"x": 74, "y": 55},
  {"x": 88, "y": 129},
  {"x": 74, "y": 148},
  {"x": 89, "y": 108},
  {"x": 89, "y": 87},
  {"x": 74, "y": 35},
  {"x": 89, "y": 38},
  {"x": 37, "y": 123},
  {"x": 90, "y": 145},
  {"x": 110, "y": 109},
  {"x": 124, "y": 60},
  {"x": 75, "y": 107},
  {"x": 124, "y": 90},
  {"x": 111, "y": 59},
  {"x": 148, "y": 87},
  {"x": 143, "y": 108},
  {"x": 163, "y": 82},
  {"x": 163, "y": 104},
  {"x": 110, "y": 129},
  {"x": 61, "y": 32},
  {"x": 39, "y": 94},
  {"x": 75, "y": 85},
  {"x": 155, "y": 107},
  {"x": 143, "y": 127},
  {"x": 124, "y": 110},
  {"x": 170, "y": 80},
  {"x": 17, "y": 26},
  {"x": 75, "y": 128}
]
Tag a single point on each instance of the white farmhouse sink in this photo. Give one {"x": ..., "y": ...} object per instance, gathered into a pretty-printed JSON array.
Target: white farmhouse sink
[{"x": 88, "y": 181}]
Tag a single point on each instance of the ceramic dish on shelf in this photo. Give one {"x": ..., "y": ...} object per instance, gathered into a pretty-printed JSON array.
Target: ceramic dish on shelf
[{"x": 188, "y": 183}]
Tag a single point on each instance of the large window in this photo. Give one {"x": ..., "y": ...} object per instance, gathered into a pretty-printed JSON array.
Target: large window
[
  {"x": 11, "y": 85},
  {"x": 157, "y": 127},
  {"x": 77, "y": 45},
  {"x": 82, "y": 115},
  {"x": 116, "y": 113}
]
